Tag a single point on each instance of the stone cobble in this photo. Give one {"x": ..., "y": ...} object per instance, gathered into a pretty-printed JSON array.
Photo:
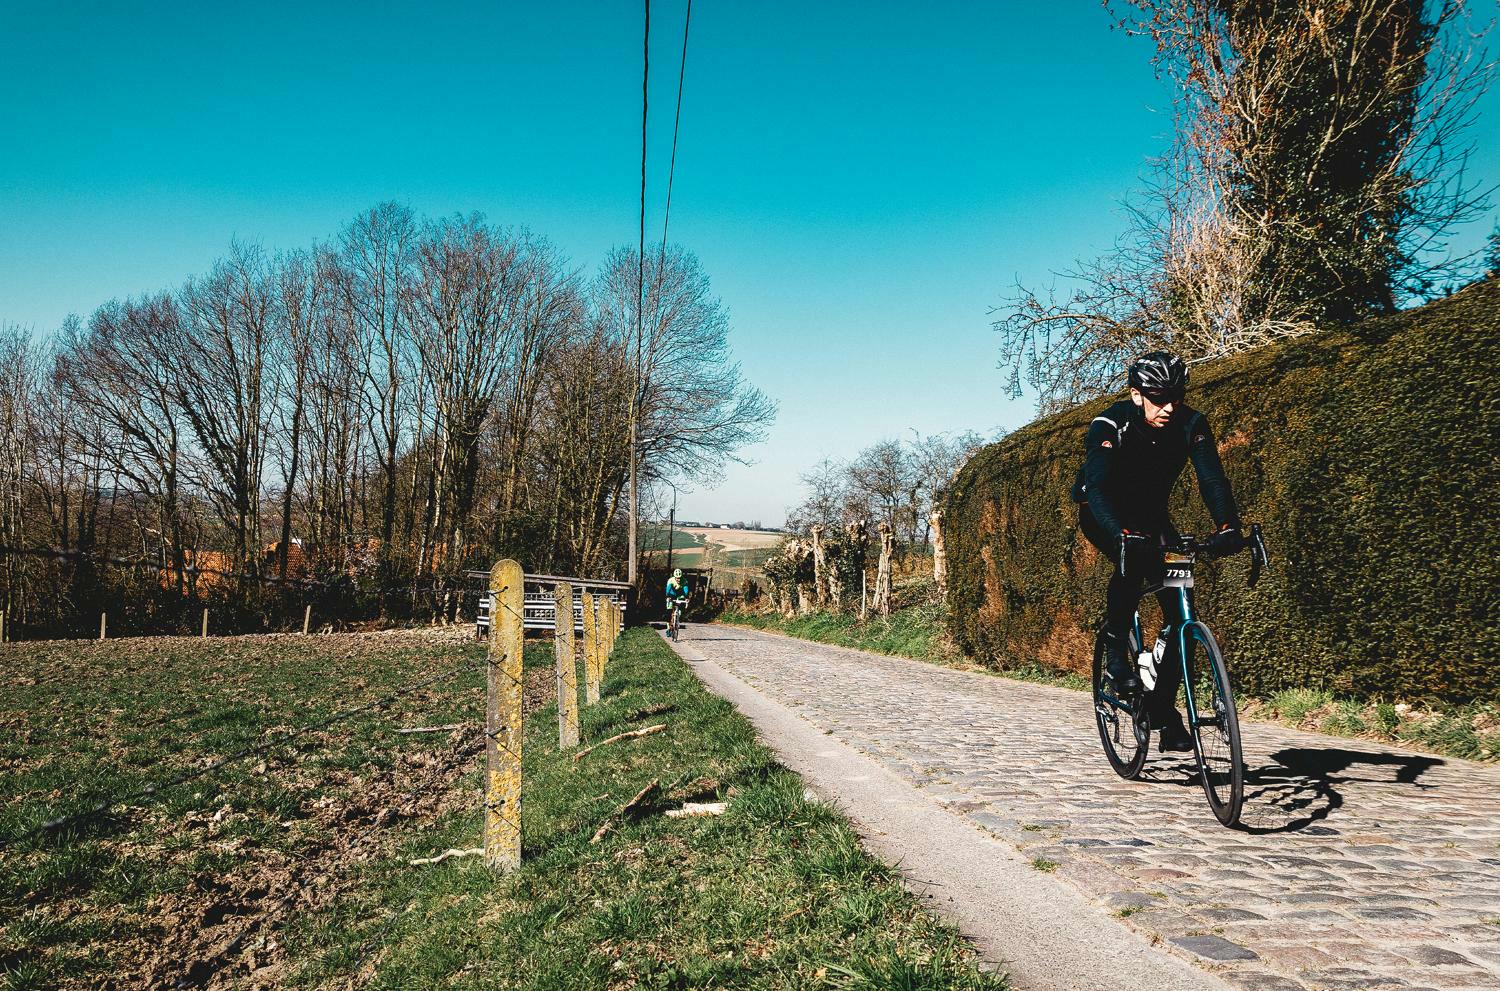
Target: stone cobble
[{"x": 1359, "y": 866}]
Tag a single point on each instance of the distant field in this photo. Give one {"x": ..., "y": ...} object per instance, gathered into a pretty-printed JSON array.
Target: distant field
[
  {"x": 737, "y": 540},
  {"x": 654, "y": 538}
]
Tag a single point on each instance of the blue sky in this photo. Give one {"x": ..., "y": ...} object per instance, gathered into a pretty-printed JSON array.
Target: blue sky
[{"x": 861, "y": 181}]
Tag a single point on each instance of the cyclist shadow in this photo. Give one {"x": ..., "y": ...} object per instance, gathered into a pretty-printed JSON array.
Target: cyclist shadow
[{"x": 1301, "y": 786}]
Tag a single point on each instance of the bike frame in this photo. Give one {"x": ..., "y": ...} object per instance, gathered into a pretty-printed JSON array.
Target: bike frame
[{"x": 1179, "y": 575}]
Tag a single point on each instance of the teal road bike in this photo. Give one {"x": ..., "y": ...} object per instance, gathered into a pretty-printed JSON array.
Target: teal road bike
[{"x": 1206, "y": 692}]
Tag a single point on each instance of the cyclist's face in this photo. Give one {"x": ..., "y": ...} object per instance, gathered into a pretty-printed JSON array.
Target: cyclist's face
[{"x": 1156, "y": 416}]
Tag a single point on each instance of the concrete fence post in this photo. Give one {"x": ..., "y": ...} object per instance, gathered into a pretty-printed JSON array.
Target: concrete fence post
[
  {"x": 601, "y": 603},
  {"x": 567, "y": 668},
  {"x": 205, "y": 624},
  {"x": 103, "y": 624},
  {"x": 590, "y": 651},
  {"x": 502, "y": 745},
  {"x": 306, "y": 619}
]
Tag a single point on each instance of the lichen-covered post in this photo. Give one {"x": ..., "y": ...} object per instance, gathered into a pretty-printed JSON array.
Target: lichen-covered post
[
  {"x": 590, "y": 651},
  {"x": 567, "y": 668},
  {"x": 502, "y": 801},
  {"x": 939, "y": 554},
  {"x": 882, "y": 602},
  {"x": 601, "y": 636}
]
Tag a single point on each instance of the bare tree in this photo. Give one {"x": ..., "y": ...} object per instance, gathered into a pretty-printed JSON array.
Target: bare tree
[
  {"x": 377, "y": 252},
  {"x": 696, "y": 409},
  {"x": 224, "y": 388},
  {"x": 122, "y": 374},
  {"x": 1318, "y": 171}
]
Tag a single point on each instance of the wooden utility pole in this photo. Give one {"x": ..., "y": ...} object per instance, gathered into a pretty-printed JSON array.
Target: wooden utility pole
[
  {"x": 502, "y": 745},
  {"x": 590, "y": 651},
  {"x": 567, "y": 668}
]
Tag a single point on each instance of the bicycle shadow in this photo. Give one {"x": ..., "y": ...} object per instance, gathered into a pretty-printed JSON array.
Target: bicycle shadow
[{"x": 1301, "y": 786}]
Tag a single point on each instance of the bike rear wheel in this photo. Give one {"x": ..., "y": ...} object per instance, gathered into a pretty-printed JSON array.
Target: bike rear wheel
[
  {"x": 1215, "y": 725},
  {"x": 1124, "y": 728}
]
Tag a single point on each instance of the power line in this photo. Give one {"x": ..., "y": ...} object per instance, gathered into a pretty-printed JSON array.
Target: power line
[
  {"x": 676, "y": 121},
  {"x": 640, "y": 300},
  {"x": 640, "y": 259}
]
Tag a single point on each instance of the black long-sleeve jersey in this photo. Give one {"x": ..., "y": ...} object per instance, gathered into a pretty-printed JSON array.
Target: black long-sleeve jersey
[{"x": 1130, "y": 467}]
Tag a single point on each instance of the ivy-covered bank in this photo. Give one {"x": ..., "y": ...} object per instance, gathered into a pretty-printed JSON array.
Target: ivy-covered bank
[{"x": 1370, "y": 456}]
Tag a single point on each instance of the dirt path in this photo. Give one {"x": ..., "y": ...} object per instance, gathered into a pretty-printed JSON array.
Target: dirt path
[{"x": 1361, "y": 866}]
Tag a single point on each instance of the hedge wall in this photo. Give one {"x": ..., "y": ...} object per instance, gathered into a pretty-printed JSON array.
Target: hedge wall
[{"x": 1372, "y": 457}]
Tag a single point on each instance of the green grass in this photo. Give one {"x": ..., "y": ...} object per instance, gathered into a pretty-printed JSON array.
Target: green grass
[
  {"x": 654, "y": 538},
  {"x": 776, "y": 893},
  {"x": 1470, "y": 731},
  {"x": 88, "y": 722},
  {"x": 1044, "y": 865},
  {"x": 915, "y": 632}
]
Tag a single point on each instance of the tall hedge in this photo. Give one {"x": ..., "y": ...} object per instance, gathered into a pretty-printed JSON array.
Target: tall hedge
[{"x": 1372, "y": 457}]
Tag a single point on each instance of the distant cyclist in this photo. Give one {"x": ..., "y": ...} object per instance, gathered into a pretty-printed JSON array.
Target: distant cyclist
[
  {"x": 1136, "y": 450},
  {"x": 677, "y": 594}
]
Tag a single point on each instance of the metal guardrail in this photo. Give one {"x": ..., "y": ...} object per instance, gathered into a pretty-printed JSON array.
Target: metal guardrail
[{"x": 540, "y": 606}]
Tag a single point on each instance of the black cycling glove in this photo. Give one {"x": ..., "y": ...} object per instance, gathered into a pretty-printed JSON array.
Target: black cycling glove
[{"x": 1227, "y": 541}]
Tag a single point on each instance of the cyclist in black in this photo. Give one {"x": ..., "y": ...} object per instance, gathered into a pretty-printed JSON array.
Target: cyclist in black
[{"x": 1136, "y": 450}]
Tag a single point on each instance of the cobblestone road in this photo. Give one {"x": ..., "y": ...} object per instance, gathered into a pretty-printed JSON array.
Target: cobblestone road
[{"x": 1360, "y": 867}]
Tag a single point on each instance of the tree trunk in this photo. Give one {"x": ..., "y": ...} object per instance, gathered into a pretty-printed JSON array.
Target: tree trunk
[
  {"x": 883, "y": 571},
  {"x": 939, "y": 554}
]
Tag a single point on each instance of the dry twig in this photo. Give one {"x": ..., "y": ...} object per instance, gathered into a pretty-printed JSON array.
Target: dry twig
[
  {"x": 621, "y": 736},
  {"x": 624, "y": 810},
  {"x": 450, "y": 852}
]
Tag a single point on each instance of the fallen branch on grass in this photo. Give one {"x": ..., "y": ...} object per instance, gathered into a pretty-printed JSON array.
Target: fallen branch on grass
[
  {"x": 450, "y": 852},
  {"x": 620, "y": 736},
  {"x": 624, "y": 810},
  {"x": 698, "y": 809},
  {"x": 431, "y": 729}
]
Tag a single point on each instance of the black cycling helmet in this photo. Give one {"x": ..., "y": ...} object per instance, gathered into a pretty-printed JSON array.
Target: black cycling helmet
[{"x": 1160, "y": 373}]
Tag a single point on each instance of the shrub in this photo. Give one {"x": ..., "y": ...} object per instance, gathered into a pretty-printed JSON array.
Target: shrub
[{"x": 1368, "y": 454}]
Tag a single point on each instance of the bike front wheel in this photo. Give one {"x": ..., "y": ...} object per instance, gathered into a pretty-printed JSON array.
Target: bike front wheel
[
  {"x": 1215, "y": 724},
  {"x": 1123, "y": 727}
]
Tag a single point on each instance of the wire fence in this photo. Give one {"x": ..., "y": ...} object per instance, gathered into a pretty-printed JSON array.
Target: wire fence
[
  {"x": 150, "y": 596},
  {"x": 66, "y": 835}
]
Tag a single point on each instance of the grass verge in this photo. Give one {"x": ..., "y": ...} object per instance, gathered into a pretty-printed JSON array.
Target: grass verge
[
  {"x": 1470, "y": 731},
  {"x": 775, "y": 893}
]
